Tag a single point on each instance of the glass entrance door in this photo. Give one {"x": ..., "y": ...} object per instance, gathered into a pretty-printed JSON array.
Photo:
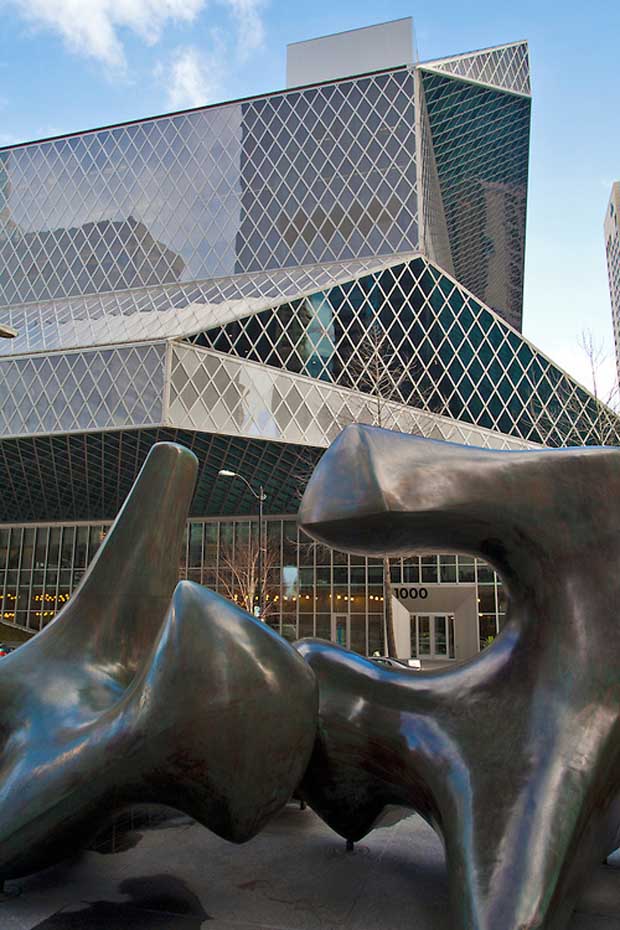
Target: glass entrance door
[
  {"x": 432, "y": 636},
  {"x": 341, "y": 630}
]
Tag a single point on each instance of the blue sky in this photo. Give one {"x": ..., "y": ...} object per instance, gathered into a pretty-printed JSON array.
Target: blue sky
[{"x": 67, "y": 65}]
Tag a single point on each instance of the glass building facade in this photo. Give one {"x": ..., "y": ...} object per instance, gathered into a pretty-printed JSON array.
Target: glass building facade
[
  {"x": 228, "y": 278},
  {"x": 41, "y": 565},
  {"x": 612, "y": 251}
]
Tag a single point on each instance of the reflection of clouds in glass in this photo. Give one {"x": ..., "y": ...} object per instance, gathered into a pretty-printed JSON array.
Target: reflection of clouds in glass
[
  {"x": 268, "y": 183},
  {"x": 290, "y": 580},
  {"x": 5, "y": 187},
  {"x": 257, "y": 393},
  {"x": 179, "y": 176}
]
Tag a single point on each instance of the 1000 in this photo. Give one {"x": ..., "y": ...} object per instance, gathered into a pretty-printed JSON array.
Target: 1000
[{"x": 414, "y": 593}]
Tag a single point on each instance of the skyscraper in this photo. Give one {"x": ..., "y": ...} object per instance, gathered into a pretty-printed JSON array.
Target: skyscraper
[
  {"x": 612, "y": 249},
  {"x": 228, "y": 277}
]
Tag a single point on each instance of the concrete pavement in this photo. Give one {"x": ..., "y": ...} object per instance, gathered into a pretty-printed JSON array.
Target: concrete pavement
[{"x": 154, "y": 874}]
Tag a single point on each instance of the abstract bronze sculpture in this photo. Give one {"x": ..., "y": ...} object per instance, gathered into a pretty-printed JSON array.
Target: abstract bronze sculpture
[
  {"x": 131, "y": 697},
  {"x": 514, "y": 757}
]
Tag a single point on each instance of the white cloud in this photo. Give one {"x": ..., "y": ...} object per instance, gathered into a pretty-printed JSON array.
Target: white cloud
[
  {"x": 251, "y": 31},
  {"x": 192, "y": 77},
  {"x": 195, "y": 76},
  {"x": 91, "y": 27}
]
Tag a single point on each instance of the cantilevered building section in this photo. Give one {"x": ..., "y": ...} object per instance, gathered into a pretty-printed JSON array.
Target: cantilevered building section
[
  {"x": 218, "y": 276},
  {"x": 612, "y": 248},
  {"x": 475, "y": 109}
]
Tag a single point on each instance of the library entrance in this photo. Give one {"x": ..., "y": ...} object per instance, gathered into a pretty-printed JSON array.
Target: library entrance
[
  {"x": 432, "y": 636},
  {"x": 436, "y": 623}
]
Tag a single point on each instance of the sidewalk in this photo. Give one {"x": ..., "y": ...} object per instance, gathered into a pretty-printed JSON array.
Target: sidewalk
[{"x": 296, "y": 875}]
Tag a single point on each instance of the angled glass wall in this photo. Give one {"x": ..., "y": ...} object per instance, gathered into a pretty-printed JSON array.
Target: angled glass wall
[
  {"x": 329, "y": 172},
  {"x": 321, "y": 174},
  {"x": 506, "y": 67},
  {"x": 146, "y": 314},
  {"x": 96, "y": 388},
  {"x": 480, "y": 139},
  {"x": 437, "y": 348}
]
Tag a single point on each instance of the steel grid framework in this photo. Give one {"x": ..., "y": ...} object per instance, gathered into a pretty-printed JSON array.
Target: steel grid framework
[{"x": 211, "y": 277}]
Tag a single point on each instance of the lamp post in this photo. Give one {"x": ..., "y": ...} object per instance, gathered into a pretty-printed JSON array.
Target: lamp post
[{"x": 261, "y": 497}]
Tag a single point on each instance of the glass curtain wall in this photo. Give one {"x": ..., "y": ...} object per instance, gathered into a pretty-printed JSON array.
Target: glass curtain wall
[{"x": 306, "y": 584}]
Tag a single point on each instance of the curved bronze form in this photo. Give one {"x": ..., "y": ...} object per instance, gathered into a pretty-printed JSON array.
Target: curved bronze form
[
  {"x": 513, "y": 757},
  {"x": 128, "y": 696}
]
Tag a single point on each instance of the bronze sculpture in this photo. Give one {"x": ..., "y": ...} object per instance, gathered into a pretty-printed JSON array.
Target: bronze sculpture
[
  {"x": 513, "y": 757},
  {"x": 129, "y": 696}
]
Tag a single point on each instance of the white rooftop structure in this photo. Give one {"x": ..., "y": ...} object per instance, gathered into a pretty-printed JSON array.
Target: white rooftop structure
[{"x": 372, "y": 48}]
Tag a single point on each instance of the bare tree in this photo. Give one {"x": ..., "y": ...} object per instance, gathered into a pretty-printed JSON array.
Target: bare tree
[
  {"x": 575, "y": 416},
  {"x": 375, "y": 369},
  {"x": 606, "y": 398},
  {"x": 238, "y": 575}
]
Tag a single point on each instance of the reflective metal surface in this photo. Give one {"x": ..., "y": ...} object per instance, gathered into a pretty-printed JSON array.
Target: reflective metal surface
[
  {"x": 513, "y": 757},
  {"x": 129, "y": 697}
]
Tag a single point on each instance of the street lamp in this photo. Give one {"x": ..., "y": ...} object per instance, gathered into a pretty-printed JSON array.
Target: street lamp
[
  {"x": 7, "y": 332},
  {"x": 261, "y": 497}
]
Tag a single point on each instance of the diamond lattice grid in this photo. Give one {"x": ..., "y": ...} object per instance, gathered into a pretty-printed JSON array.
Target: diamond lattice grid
[
  {"x": 612, "y": 248},
  {"x": 436, "y": 347},
  {"x": 434, "y": 230},
  {"x": 132, "y": 206},
  {"x": 87, "y": 476},
  {"x": 506, "y": 67},
  {"x": 321, "y": 174},
  {"x": 96, "y": 389},
  {"x": 480, "y": 140},
  {"x": 213, "y": 392},
  {"x": 329, "y": 173},
  {"x": 151, "y": 313}
]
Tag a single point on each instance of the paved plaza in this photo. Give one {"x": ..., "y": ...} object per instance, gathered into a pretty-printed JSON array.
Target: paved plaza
[{"x": 172, "y": 874}]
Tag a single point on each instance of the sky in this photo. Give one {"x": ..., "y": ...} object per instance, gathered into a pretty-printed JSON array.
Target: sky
[{"x": 67, "y": 65}]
